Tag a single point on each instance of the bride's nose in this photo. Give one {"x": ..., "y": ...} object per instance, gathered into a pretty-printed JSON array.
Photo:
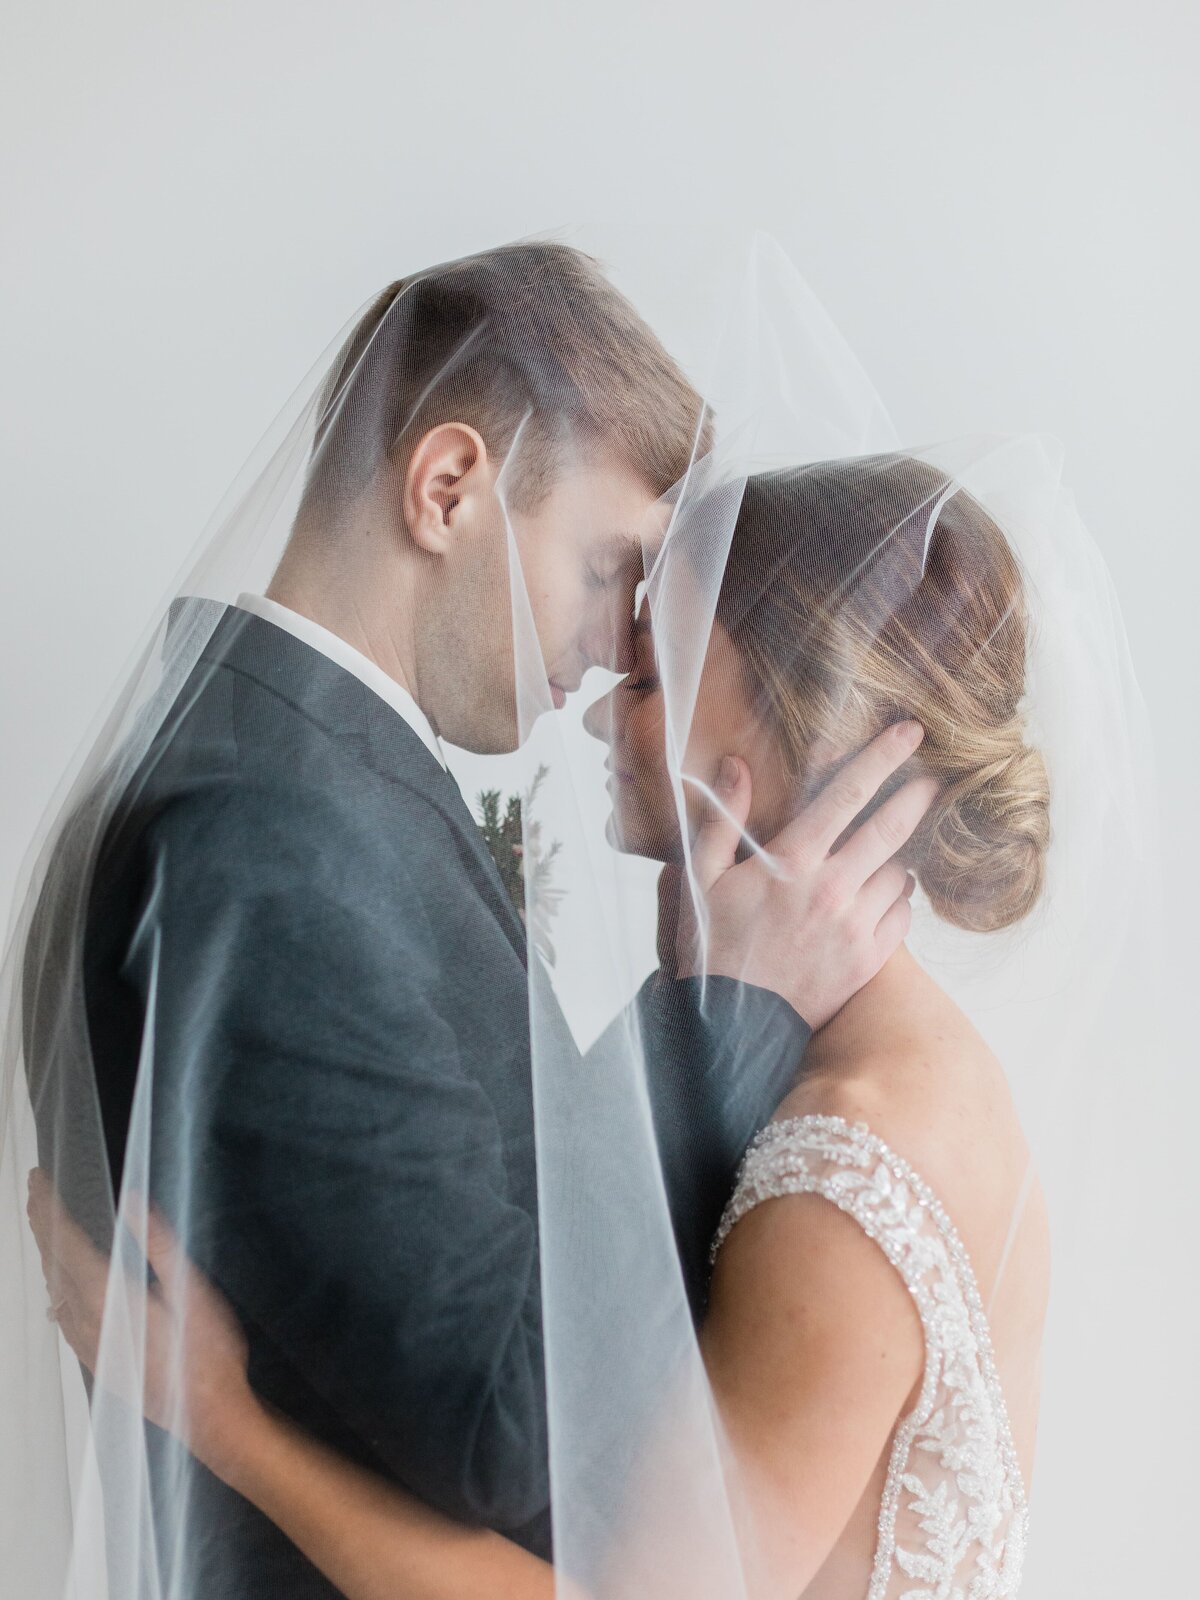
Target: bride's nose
[{"x": 600, "y": 718}]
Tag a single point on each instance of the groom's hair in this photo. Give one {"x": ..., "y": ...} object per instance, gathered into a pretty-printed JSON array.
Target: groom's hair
[{"x": 527, "y": 343}]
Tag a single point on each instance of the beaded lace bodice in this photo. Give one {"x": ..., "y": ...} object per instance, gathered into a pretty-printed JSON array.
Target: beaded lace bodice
[{"x": 953, "y": 1516}]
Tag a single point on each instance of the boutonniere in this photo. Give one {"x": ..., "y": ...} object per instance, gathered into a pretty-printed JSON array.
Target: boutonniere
[{"x": 523, "y": 859}]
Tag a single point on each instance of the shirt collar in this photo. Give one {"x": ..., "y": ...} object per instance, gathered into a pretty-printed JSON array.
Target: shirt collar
[{"x": 336, "y": 649}]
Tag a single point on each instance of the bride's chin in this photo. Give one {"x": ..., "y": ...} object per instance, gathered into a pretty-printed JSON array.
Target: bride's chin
[
  {"x": 619, "y": 837},
  {"x": 629, "y": 839}
]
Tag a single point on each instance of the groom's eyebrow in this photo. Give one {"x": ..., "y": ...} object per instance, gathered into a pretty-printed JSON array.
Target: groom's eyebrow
[
  {"x": 626, "y": 542},
  {"x": 618, "y": 553}
]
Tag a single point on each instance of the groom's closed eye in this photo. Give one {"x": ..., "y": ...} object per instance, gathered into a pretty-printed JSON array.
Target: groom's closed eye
[
  {"x": 597, "y": 579},
  {"x": 618, "y": 563}
]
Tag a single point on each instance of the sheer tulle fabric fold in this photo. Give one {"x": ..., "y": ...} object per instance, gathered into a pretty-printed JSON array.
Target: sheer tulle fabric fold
[{"x": 256, "y": 882}]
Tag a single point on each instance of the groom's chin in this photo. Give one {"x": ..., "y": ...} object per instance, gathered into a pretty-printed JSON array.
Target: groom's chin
[
  {"x": 627, "y": 840},
  {"x": 494, "y": 733}
]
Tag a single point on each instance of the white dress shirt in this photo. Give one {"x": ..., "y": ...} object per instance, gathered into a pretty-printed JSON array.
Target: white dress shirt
[{"x": 335, "y": 648}]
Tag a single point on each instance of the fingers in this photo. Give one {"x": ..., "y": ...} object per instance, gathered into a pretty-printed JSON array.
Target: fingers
[
  {"x": 66, "y": 1251},
  {"x": 158, "y": 1242},
  {"x": 885, "y": 831},
  {"x": 822, "y": 823},
  {"x": 76, "y": 1273},
  {"x": 79, "y": 1335},
  {"x": 893, "y": 930},
  {"x": 183, "y": 1289},
  {"x": 40, "y": 1209},
  {"x": 881, "y": 892},
  {"x": 715, "y": 848}
]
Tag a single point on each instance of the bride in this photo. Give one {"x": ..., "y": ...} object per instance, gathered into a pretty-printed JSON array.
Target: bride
[{"x": 880, "y": 1274}]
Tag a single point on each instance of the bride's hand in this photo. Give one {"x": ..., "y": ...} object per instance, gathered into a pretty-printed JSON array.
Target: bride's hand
[
  {"x": 799, "y": 916},
  {"x": 193, "y": 1381}
]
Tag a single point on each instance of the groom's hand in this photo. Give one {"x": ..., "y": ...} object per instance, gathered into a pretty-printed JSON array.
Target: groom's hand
[{"x": 812, "y": 923}]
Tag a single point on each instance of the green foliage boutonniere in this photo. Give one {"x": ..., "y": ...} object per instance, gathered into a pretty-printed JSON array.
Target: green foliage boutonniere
[{"x": 525, "y": 863}]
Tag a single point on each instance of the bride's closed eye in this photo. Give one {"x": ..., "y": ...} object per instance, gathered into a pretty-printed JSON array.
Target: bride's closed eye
[{"x": 641, "y": 682}]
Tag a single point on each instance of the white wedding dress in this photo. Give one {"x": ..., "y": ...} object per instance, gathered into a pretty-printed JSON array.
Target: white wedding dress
[{"x": 953, "y": 1516}]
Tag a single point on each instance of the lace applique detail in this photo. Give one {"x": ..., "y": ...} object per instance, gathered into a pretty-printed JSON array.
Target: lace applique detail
[{"x": 953, "y": 1519}]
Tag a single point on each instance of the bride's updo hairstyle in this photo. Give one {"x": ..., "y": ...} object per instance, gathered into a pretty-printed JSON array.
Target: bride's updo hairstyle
[{"x": 861, "y": 592}]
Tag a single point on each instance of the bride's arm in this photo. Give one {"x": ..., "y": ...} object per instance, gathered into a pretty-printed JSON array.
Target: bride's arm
[
  {"x": 370, "y": 1539},
  {"x": 812, "y": 1347}
]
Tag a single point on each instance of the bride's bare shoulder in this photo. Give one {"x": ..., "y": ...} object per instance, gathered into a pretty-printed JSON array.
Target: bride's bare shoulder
[
  {"x": 904, "y": 1059},
  {"x": 900, "y": 1046}
]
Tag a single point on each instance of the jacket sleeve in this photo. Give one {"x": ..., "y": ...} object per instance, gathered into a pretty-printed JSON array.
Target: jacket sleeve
[
  {"x": 316, "y": 1139},
  {"x": 720, "y": 1056}
]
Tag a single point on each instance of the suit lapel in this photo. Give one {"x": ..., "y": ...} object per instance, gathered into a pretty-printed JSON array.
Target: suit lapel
[
  {"x": 380, "y": 738},
  {"x": 397, "y": 753}
]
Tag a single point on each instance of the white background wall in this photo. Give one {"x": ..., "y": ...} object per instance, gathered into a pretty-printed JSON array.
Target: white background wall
[{"x": 996, "y": 203}]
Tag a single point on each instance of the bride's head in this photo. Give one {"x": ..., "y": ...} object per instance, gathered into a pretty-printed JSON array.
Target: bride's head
[{"x": 856, "y": 593}]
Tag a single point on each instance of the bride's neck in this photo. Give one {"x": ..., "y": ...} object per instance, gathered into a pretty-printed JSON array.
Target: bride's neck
[{"x": 881, "y": 1008}]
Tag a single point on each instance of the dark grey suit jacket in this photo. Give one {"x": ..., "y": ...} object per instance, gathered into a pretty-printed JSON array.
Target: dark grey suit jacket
[{"x": 295, "y": 909}]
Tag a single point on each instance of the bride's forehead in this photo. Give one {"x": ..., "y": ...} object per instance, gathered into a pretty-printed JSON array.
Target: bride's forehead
[{"x": 678, "y": 635}]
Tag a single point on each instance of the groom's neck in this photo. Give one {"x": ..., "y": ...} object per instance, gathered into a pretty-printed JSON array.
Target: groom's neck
[{"x": 365, "y": 602}]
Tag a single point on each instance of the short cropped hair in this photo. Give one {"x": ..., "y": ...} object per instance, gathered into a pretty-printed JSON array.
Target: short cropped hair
[{"x": 530, "y": 337}]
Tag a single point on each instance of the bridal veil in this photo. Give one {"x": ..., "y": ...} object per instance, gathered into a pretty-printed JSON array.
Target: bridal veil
[{"x": 624, "y": 1385}]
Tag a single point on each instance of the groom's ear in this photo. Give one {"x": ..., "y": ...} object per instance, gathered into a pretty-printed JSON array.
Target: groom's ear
[{"x": 447, "y": 476}]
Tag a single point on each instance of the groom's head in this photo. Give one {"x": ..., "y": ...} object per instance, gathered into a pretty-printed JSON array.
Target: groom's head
[{"x": 515, "y": 388}]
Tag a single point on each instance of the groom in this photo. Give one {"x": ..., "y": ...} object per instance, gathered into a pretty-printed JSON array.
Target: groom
[{"x": 294, "y": 926}]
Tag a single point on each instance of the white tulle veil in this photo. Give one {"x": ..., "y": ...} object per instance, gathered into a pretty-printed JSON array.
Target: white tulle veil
[{"x": 635, "y": 1450}]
